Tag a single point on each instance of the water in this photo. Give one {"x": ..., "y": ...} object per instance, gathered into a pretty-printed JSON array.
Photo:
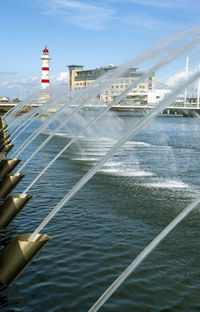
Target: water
[
  {"x": 131, "y": 133},
  {"x": 110, "y": 221},
  {"x": 115, "y": 148}
]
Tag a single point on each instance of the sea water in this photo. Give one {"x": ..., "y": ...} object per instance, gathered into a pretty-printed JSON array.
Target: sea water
[{"x": 110, "y": 220}]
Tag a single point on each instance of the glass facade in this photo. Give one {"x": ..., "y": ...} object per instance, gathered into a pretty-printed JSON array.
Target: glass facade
[
  {"x": 92, "y": 74},
  {"x": 79, "y": 79}
]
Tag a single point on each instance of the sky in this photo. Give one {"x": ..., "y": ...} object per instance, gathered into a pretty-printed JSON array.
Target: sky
[{"x": 90, "y": 33}]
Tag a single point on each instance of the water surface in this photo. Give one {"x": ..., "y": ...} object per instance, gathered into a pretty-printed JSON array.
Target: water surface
[{"x": 104, "y": 227}]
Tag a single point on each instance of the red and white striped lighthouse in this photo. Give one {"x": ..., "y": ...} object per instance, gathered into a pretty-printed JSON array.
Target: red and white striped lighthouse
[{"x": 45, "y": 69}]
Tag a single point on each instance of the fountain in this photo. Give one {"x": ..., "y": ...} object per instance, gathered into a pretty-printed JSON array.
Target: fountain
[
  {"x": 8, "y": 275},
  {"x": 103, "y": 82},
  {"x": 130, "y": 134},
  {"x": 13, "y": 204},
  {"x": 106, "y": 109},
  {"x": 51, "y": 99},
  {"x": 165, "y": 60},
  {"x": 142, "y": 256}
]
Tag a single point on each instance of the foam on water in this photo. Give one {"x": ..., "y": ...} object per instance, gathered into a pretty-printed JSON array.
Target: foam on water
[
  {"x": 168, "y": 184},
  {"x": 112, "y": 164},
  {"x": 59, "y": 134},
  {"x": 93, "y": 154},
  {"x": 134, "y": 143},
  {"x": 86, "y": 159},
  {"x": 127, "y": 172}
]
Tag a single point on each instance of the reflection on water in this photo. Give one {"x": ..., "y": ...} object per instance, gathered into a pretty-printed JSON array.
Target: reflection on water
[{"x": 97, "y": 234}]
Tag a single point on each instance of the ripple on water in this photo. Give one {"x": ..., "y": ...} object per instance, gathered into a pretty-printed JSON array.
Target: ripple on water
[{"x": 105, "y": 226}]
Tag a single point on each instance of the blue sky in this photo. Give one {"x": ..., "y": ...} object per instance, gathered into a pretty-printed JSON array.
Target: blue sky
[{"x": 92, "y": 33}]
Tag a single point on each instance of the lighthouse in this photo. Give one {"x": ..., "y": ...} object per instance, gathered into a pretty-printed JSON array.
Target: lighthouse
[{"x": 45, "y": 69}]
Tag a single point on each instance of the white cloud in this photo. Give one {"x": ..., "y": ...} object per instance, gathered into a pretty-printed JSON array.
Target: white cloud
[
  {"x": 8, "y": 73},
  {"x": 31, "y": 83},
  {"x": 4, "y": 83},
  {"x": 79, "y": 13},
  {"x": 142, "y": 20},
  {"x": 60, "y": 78},
  {"x": 25, "y": 82},
  {"x": 104, "y": 14},
  {"x": 173, "y": 80},
  {"x": 160, "y": 4},
  {"x": 23, "y": 87},
  {"x": 165, "y": 4}
]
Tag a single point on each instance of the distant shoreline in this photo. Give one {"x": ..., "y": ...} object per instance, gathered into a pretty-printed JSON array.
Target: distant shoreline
[{"x": 121, "y": 110}]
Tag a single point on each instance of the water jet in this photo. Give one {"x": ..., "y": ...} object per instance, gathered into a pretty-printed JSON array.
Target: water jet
[{"x": 161, "y": 63}]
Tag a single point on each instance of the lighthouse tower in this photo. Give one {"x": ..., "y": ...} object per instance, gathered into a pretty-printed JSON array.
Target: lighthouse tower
[{"x": 45, "y": 69}]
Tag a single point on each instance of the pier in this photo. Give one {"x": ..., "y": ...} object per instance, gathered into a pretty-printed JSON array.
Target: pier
[{"x": 184, "y": 111}]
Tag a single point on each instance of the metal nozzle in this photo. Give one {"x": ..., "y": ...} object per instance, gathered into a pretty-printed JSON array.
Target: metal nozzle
[
  {"x": 3, "y": 127},
  {"x": 4, "y": 135},
  {"x": 6, "y": 148},
  {"x": 2, "y": 157},
  {"x": 4, "y": 141},
  {"x": 4, "y": 131},
  {"x": 12, "y": 207},
  {"x": 9, "y": 183},
  {"x": 18, "y": 255},
  {"x": 7, "y": 165},
  {"x": 3, "y": 123}
]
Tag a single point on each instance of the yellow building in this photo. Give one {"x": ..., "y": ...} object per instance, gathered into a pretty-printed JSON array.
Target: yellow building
[{"x": 79, "y": 79}]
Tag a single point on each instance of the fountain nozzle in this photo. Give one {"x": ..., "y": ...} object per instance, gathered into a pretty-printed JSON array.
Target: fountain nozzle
[
  {"x": 18, "y": 255},
  {"x": 11, "y": 207},
  {"x": 9, "y": 182}
]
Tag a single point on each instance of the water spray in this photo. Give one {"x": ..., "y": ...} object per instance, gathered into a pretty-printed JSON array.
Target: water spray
[
  {"x": 108, "y": 78},
  {"x": 107, "y": 108},
  {"x": 37, "y": 113},
  {"x": 130, "y": 134},
  {"x": 104, "y": 85}
]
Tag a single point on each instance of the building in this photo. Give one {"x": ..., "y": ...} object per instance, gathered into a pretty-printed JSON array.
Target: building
[
  {"x": 151, "y": 97},
  {"x": 79, "y": 79}
]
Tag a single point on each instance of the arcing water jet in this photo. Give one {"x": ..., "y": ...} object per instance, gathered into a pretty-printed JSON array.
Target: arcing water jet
[
  {"x": 170, "y": 57},
  {"x": 107, "y": 80},
  {"x": 130, "y": 134},
  {"x": 165, "y": 60}
]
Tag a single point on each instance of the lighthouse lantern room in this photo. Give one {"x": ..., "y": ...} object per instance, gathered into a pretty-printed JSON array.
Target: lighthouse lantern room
[{"x": 45, "y": 69}]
